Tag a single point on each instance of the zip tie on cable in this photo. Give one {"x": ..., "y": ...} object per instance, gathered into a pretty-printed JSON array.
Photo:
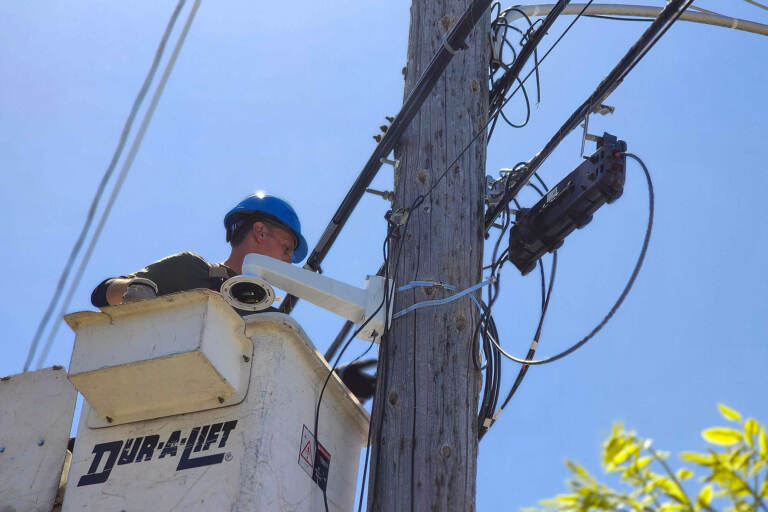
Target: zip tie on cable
[
  {"x": 487, "y": 422},
  {"x": 438, "y": 302}
]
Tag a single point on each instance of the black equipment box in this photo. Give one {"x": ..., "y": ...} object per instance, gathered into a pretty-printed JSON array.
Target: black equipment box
[{"x": 569, "y": 204}]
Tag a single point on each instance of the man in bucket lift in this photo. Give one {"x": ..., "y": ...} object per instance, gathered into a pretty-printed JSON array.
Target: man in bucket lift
[{"x": 262, "y": 224}]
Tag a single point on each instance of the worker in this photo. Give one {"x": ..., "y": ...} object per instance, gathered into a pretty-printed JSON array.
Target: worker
[{"x": 261, "y": 223}]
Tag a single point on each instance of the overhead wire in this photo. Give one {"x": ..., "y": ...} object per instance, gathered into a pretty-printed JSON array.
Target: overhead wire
[
  {"x": 382, "y": 369},
  {"x": 530, "y": 41},
  {"x": 103, "y": 183},
  {"x": 488, "y": 417},
  {"x": 289, "y": 305},
  {"x": 617, "y": 18},
  {"x": 495, "y": 377},
  {"x": 121, "y": 178},
  {"x": 669, "y": 14},
  {"x": 757, "y": 4},
  {"x": 665, "y": 19},
  {"x": 412, "y": 104}
]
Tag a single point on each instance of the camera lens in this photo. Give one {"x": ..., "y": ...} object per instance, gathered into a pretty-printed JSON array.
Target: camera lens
[{"x": 248, "y": 293}]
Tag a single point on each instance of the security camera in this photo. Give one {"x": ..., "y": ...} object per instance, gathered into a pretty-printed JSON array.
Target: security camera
[
  {"x": 252, "y": 291},
  {"x": 249, "y": 293}
]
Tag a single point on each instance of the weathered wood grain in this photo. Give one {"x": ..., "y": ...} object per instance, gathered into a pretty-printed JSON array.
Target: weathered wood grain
[{"x": 425, "y": 433}]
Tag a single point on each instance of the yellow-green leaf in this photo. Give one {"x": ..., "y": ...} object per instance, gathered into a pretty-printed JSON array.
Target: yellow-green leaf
[
  {"x": 576, "y": 468},
  {"x": 612, "y": 447},
  {"x": 624, "y": 454},
  {"x": 751, "y": 427},
  {"x": 705, "y": 495},
  {"x": 729, "y": 413},
  {"x": 703, "y": 459},
  {"x": 763, "y": 444},
  {"x": 721, "y": 435},
  {"x": 642, "y": 462},
  {"x": 671, "y": 489},
  {"x": 684, "y": 474},
  {"x": 760, "y": 464},
  {"x": 671, "y": 507},
  {"x": 742, "y": 461},
  {"x": 764, "y": 491}
]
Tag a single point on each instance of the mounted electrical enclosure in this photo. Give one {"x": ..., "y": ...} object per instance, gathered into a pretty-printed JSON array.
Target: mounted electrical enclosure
[
  {"x": 568, "y": 205},
  {"x": 355, "y": 304},
  {"x": 256, "y": 454},
  {"x": 169, "y": 355}
]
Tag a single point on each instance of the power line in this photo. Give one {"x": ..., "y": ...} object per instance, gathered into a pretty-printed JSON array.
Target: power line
[
  {"x": 757, "y": 4},
  {"x": 348, "y": 325},
  {"x": 121, "y": 177},
  {"x": 645, "y": 12},
  {"x": 647, "y": 40},
  {"x": 102, "y": 185},
  {"x": 453, "y": 40}
]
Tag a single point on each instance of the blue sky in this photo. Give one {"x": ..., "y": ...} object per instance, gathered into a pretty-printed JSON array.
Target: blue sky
[{"x": 286, "y": 97}]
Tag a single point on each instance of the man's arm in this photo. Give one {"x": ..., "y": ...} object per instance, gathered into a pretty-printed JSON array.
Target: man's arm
[
  {"x": 180, "y": 272},
  {"x": 121, "y": 290}
]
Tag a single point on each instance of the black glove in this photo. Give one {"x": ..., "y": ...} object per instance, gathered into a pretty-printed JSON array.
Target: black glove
[
  {"x": 139, "y": 289},
  {"x": 361, "y": 384}
]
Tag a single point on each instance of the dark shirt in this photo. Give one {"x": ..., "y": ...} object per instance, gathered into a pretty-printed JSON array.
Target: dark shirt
[{"x": 180, "y": 272}]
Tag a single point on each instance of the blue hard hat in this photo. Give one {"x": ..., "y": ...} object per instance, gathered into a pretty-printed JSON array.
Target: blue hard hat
[{"x": 276, "y": 208}]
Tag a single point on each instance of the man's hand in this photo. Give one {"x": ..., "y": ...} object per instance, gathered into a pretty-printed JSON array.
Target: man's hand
[
  {"x": 127, "y": 290},
  {"x": 361, "y": 384},
  {"x": 140, "y": 289}
]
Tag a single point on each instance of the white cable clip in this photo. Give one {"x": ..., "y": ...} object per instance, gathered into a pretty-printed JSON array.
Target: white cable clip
[{"x": 453, "y": 51}]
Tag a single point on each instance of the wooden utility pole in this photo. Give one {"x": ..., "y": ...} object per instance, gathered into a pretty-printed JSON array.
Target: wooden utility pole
[{"x": 424, "y": 424}]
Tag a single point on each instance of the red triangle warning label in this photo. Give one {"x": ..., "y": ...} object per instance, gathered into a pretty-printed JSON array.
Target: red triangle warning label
[{"x": 306, "y": 453}]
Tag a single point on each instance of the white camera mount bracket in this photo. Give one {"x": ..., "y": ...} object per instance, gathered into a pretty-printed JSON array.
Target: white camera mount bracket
[{"x": 252, "y": 291}]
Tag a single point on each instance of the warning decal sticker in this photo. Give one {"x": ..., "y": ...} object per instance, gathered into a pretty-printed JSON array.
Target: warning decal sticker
[{"x": 316, "y": 467}]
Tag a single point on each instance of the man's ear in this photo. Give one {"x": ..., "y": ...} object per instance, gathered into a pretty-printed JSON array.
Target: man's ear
[{"x": 258, "y": 230}]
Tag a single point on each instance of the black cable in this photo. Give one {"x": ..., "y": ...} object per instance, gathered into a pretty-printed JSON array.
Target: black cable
[
  {"x": 383, "y": 374},
  {"x": 103, "y": 183},
  {"x": 534, "y": 345},
  {"x": 498, "y": 91},
  {"x": 536, "y": 174},
  {"x": 624, "y": 292},
  {"x": 384, "y": 303},
  {"x": 757, "y": 4},
  {"x": 527, "y": 111},
  {"x": 365, "y": 470},
  {"x": 412, "y": 104},
  {"x": 534, "y": 187},
  {"x": 522, "y": 82},
  {"x": 500, "y": 22},
  {"x": 647, "y": 40},
  {"x": 617, "y": 18},
  {"x": 325, "y": 384},
  {"x": 486, "y": 416}
]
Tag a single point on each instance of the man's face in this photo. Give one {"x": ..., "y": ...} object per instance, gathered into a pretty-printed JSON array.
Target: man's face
[{"x": 274, "y": 242}]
